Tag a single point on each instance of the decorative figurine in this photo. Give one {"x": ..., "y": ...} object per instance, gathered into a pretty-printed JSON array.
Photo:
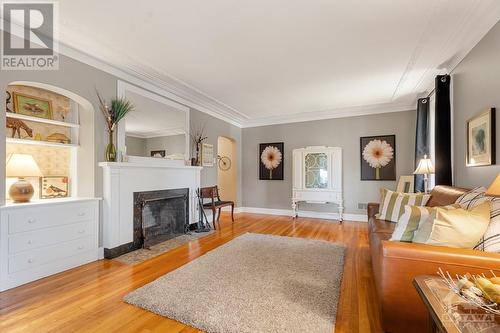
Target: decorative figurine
[{"x": 17, "y": 125}]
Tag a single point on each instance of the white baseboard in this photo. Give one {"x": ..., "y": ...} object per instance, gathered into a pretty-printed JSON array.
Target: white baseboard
[
  {"x": 303, "y": 213},
  {"x": 100, "y": 253}
]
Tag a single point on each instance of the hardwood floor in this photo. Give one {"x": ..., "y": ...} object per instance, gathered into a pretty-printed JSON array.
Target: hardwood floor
[{"x": 89, "y": 298}]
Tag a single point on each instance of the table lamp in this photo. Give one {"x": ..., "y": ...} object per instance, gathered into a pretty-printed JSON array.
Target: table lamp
[
  {"x": 21, "y": 165},
  {"x": 494, "y": 189},
  {"x": 425, "y": 168}
]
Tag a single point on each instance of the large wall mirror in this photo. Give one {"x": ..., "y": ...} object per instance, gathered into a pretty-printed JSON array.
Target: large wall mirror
[{"x": 157, "y": 128}]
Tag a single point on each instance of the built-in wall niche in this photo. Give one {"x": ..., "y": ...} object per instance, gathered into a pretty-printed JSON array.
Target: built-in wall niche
[
  {"x": 40, "y": 117},
  {"x": 56, "y": 128},
  {"x": 54, "y": 163}
]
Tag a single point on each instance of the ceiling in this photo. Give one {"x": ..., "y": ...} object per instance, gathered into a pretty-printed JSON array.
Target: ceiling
[
  {"x": 270, "y": 61},
  {"x": 151, "y": 119}
]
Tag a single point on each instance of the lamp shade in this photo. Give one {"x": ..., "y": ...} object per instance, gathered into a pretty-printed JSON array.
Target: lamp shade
[
  {"x": 22, "y": 165},
  {"x": 494, "y": 189},
  {"x": 424, "y": 167}
]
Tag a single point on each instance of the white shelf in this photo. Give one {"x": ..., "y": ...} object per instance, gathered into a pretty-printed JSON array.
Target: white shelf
[
  {"x": 41, "y": 120},
  {"x": 40, "y": 202},
  {"x": 39, "y": 143}
]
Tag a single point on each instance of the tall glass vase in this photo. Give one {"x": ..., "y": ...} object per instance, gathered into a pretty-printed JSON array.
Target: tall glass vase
[{"x": 110, "y": 153}]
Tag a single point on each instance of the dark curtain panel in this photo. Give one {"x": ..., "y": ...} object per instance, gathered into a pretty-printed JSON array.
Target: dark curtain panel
[
  {"x": 422, "y": 138},
  {"x": 443, "y": 131}
]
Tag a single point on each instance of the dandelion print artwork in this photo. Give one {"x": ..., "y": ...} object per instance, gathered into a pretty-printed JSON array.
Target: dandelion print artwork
[
  {"x": 378, "y": 158},
  {"x": 271, "y": 161}
]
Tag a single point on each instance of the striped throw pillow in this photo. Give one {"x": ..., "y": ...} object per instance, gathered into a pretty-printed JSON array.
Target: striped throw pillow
[
  {"x": 416, "y": 219},
  {"x": 491, "y": 239},
  {"x": 423, "y": 233},
  {"x": 392, "y": 204}
]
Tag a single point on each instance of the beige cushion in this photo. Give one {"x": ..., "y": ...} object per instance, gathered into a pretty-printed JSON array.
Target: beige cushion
[
  {"x": 459, "y": 227},
  {"x": 417, "y": 220},
  {"x": 392, "y": 204}
]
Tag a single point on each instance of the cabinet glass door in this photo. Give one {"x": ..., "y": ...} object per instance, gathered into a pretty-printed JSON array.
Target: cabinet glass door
[{"x": 316, "y": 170}]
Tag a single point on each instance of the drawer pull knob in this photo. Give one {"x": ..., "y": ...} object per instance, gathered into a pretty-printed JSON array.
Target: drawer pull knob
[
  {"x": 30, "y": 260},
  {"x": 30, "y": 242},
  {"x": 81, "y": 214},
  {"x": 31, "y": 220},
  {"x": 80, "y": 247},
  {"x": 81, "y": 231}
]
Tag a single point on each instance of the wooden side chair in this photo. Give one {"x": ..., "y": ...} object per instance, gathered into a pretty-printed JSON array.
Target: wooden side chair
[{"x": 215, "y": 202}]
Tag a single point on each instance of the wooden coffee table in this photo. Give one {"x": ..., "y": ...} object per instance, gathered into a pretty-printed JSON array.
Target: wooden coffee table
[{"x": 450, "y": 313}]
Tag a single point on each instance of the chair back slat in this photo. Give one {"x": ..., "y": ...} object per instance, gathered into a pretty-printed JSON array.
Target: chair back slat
[{"x": 208, "y": 192}]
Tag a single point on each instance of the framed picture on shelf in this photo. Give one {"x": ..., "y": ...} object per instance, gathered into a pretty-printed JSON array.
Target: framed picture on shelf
[
  {"x": 54, "y": 187},
  {"x": 378, "y": 157},
  {"x": 271, "y": 161},
  {"x": 481, "y": 137},
  {"x": 32, "y": 106},
  {"x": 158, "y": 153},
  {"x": 207, "y": 155}
]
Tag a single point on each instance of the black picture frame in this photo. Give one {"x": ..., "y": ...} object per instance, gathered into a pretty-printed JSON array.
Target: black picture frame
[
  {"x": 489, "y": 117},
  {"x": 276, "y": 173},
  {"x": 387, "y": 172},
  {"x": 162, "y": 153}
]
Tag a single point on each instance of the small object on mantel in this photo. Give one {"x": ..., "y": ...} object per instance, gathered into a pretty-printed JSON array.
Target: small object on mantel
[{"x": 59, "y": 138}]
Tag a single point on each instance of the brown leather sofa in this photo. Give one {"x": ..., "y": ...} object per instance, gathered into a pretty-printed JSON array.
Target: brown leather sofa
[{"x": 395, "y": 264}]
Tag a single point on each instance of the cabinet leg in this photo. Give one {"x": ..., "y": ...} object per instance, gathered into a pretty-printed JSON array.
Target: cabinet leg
[
  {"x": 341, "y": 213},
  {"x": 294, "y": 208}
]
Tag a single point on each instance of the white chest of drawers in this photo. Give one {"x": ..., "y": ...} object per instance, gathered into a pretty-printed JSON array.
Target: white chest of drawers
[{"x": 43, "y": 238}]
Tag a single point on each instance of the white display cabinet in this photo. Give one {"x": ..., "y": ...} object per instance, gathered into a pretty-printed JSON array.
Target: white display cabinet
[{"x": 317, "y": 177}]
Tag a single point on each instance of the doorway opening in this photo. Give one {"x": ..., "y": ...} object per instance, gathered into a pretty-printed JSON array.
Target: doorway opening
[{"x": 227, "y": 170}]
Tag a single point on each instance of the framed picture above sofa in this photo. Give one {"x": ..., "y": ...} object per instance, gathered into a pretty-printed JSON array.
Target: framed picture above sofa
[
  {"x": 481, "y": 137},
  {"x": 378, "y": 157}
]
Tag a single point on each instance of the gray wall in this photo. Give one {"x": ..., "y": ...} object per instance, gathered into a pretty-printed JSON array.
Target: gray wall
[
  {"x": 173, "y": 144},
  {"x": 476, "y": 87},
  {"x": 213, "y": 129},
  {"x": 135, "y": 146},
  {"x": 342, "y": 132}
]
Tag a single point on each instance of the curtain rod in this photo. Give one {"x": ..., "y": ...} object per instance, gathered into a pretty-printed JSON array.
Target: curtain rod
[{"x": 431, "y": 92}]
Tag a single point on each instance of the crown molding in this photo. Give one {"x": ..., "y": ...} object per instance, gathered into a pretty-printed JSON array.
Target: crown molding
[
  {"x": 174, "y": 89},
  {"x": 156, "y": 134},
  {"x": 182, "y": 93},
  {"x": 476, "y": 22},
  {"x": 353, "y": 111},
  {"x": 479, "y": 19},
  {"x": 177, "y": 92}
]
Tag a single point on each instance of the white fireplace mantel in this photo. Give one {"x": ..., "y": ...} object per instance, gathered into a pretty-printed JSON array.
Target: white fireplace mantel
[{"x": 122, "y": 179}]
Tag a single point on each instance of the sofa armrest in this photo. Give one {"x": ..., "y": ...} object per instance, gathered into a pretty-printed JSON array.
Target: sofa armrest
[
  {"x": 439, "y": 255},
  {"x": 401, "y": 308},
  {"x": 372, "y": 209}
]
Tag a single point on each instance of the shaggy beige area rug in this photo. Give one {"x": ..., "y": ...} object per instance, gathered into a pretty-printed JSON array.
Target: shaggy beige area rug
[
  {"x": 254, "y": 283},
  {"x": 140, "y": 255}
]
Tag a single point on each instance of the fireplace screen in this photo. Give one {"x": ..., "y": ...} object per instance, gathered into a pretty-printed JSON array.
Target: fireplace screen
[{"x": 160, "y": 215}]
